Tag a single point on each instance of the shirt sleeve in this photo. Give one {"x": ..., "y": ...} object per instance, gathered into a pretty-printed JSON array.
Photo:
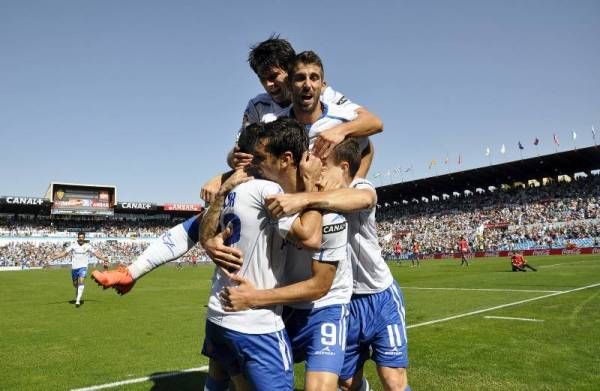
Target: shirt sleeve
[
  {"x": 334, "y": 245},
  {"x": 284, "y": 224}
]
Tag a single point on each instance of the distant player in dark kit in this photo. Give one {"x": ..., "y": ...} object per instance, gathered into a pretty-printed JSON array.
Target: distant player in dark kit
[
  {"x": 463, "y": 247},
  {"x": 416, "y": 251},
  {"x": 519, "y": 263}
]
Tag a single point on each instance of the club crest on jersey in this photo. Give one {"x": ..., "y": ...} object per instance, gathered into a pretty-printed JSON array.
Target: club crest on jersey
[{"x": 333, "y": 228}]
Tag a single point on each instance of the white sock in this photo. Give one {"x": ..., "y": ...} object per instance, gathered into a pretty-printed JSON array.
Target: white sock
[
  {"x": 171, "y": 245},
  {"x": 79, "y": 293}
]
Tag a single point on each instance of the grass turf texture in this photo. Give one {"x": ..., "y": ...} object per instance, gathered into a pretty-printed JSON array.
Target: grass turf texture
[{"x": 46, "y": 343}]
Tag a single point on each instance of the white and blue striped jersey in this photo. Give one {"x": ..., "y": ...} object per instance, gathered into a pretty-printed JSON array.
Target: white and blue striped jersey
[
  {"x": 80, "y": 254},
  {"x": 263, "y": 104},
  {"x": 261, "y": 240},
  {"x": 334, "y": 248},
  {"x": 370, "y": 272}
]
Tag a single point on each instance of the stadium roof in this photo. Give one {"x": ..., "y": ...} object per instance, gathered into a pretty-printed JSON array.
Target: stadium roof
[{"x": 546, "y": 166}]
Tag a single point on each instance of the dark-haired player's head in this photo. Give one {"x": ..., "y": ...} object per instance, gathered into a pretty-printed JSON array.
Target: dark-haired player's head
[
  {"x": 280, "y": 145},
  {"x": 270, "y": 61},
  {"x": 341, "y": 165},
  {"x": 306, "y": 79},
  {"x": 81, "y": 237}
]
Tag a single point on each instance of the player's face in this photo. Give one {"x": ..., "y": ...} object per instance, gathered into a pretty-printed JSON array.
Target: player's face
[
  {"x": 264, "y": 164},
  {"x": 332, "y": 175},
  {"x": 80, "y": 239},
  {"x": 274, "y": 81},
  {"x": 306, "y": 84}
]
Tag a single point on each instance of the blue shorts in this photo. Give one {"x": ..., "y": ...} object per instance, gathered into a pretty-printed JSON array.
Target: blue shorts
[
  {"x": 78, "y": 273},
  {"x": 264, "y": 359},
  {"x": 318, "y": 336},
  {"x": 376, "y": 329}
]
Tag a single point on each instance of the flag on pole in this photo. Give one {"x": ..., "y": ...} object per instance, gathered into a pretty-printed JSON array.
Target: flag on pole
[
  {"x": 377, "y": 175},
  {"x": 487, "y": 151},
  {"x": 521, "y": 147},
  {"x": 408, "y": 169},
  {"x": 574, "y": 135},
  {"x": 459, "y": 158},
  {"x": 593, "y": 133},
  {"x": 446, "y": 160},
  {"x": 536, "y": 141},
  {"x": 555, "y": 137},
  {"x": 503, "y": 149},
  {"x": 431, "y": 163}
]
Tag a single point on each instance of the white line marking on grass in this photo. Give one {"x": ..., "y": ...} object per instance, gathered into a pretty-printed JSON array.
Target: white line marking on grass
[
  {"x": 142, "y": 379},
  {"x": 501, "y": 306},
  {"x": 481, "y": 289},
  {"x": 568, "y": 263},
  {"x": 511, "y": 318}
]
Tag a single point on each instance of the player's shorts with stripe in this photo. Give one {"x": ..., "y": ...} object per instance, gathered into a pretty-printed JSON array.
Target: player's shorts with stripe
[
  {"x": 376, "y": 329},
  {"x": 318, "y": 336},
  {"x": 78, "y": 273},
  {"x": 265, "y": 359}
]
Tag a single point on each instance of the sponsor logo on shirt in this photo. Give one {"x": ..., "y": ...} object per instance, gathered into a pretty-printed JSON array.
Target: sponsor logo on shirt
[
  {"x": 325, "y": 352},
  {"x": 333, "y": 228}
]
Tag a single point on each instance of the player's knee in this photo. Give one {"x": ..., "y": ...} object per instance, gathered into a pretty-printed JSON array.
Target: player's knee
[{"x": 394, "y": 379}]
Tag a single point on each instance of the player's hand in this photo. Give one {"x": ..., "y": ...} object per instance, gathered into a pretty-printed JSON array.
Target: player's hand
[
  {"x": 280, "y": 205},
  {"x": 228, "y": 259},
  {"x": 239, "y": 297},
  {"x": 209, "y": 190},
  {"x": 326, "y": 141},
  {"x": 241, "y": 159},
  {"x": 238, "y": 177},
  {"x": 310, "y": 171}
]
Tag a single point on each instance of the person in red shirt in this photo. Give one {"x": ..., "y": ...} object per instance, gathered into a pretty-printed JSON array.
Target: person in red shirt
[
  {"x": 463, "y": 247},
  {"x": 415, "y": 255},
  {"x": 519, "y": 263},
  {"x": 398, "y": 251}
]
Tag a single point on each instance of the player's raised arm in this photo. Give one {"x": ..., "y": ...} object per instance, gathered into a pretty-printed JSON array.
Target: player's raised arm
[{"x": 365, "y": 124}]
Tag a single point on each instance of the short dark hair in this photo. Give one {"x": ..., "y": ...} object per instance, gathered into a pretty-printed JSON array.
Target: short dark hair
[
  {"x": 248, "y": 138},
  {"x": 274, "y": 52},
  {"x": 306, "y": 57},
  {"x": 348, "y": 151},
  {"x": 285, "y": 134},
  {"x": 80, "y": 233}
]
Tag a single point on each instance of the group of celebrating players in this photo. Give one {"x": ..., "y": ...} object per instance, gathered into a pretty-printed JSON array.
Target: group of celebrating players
[{"x": 300, "y": 276}]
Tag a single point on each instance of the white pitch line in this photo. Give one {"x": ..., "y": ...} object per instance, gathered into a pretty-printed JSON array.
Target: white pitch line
[
  {"x": 511, "y": 318},
  {"x": 481, "y": 289},
  {"x": 142, "y": 379},
  {"x": 501, "y": 306}
]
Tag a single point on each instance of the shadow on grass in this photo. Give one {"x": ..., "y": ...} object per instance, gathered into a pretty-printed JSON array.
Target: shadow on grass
[
  {"x": 184, "y": 381},
  {"x": 164, "y": 381}
]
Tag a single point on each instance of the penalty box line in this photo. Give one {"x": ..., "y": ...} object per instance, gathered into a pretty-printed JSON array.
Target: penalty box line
[
  {"x": 501, "y": 306},
  {"x": 205, "y": 367},
  {"x": 479, "y": 289}
]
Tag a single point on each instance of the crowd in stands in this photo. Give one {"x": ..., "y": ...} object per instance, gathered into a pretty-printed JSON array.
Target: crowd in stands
[
  {"x": 44, "y": 226},
  {"x": 557, "y": 215},
  {"x": 552, "y": 216},
  {"x": 39, "y": 253}
]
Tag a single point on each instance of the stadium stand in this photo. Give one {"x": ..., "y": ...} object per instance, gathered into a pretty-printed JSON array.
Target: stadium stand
[{"x": 513, "y": 206}]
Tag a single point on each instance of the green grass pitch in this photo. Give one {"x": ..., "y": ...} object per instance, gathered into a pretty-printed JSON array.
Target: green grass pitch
[{"x": 48, "y": 344}]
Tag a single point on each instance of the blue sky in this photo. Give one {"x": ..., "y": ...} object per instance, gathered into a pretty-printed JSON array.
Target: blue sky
[{"x": 148, "y": 95}]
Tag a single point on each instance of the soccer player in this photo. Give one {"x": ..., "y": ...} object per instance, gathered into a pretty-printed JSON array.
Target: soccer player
[
  {"x": 79, "y": 264},
  {"x": 398, "y": 251},
  {"x": 270, "y": 61},
  {"x": 519, "y": 263},
  {"x": 463, "y": 247},
  {"x": 317, "y": 291},
  {"x": 254, "y": 341},
  {"x": 377, "y": 315},
  {"x": 416, "y": 247}
]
